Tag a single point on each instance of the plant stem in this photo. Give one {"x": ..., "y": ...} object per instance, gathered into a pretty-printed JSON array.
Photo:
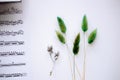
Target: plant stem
[
  {"x": 69, "y": 60},
  {"x": 52, "y": 59},
  {"x": 84, "y": 64},
  {"x": 51, "y": 72},
  {"x": 78, "y": 71},
  {"x": 74, "y": 68},
  {"x": 71, "y": 64}
]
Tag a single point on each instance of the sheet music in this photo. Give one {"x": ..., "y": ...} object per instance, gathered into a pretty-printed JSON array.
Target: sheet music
[
  {"x": 9, "y": 0},
  {"x": 13, "y": 59}
]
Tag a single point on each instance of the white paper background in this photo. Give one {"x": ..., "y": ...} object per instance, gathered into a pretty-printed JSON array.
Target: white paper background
[{"x": 102, "y": 57}]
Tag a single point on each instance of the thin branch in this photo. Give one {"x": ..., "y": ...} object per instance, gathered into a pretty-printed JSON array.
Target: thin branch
[
  {"x": 74, "y": 68},
  {"x": 78, "y": 71},
  {"x": 84, "y": 64},
  {"x": 71, "y": 63},
  {"x": 51, "y": 72},
  {"x": 52, "y": 59},
  {"x": 69, "y": 60}
]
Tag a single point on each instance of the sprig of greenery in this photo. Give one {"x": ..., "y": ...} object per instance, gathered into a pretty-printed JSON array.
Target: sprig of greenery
[
  {"x": 61, "y": 25},
  {"x": 84, "y": 24},
  {"x": 75, "y": 51},
  {"x": 76, "y": 44},
  {"x": 61, "y": 37},
  {"x": 92, "y": 36},
  {"x": 91, "y": 39}
]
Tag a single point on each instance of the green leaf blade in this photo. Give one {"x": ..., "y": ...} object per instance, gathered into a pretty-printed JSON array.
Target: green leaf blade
[
  {"x": 84, "y": 23},
  {"x": 76, "y": 44},
  {"x": 92, "y": 36},
  {"x": 60, "y": 37},
  {"x": 75, "y": 50},
  {"x": 61, "y": 25}
]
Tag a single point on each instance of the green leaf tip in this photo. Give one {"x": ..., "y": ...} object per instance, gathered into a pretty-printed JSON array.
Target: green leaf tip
[
  {"x": 92, "y": 36},
  {"x": 84, "y": 23},
  {"x": 76, "y": 44},
  {"x": 77, "y": 40},
  {"x": 60, "y": 37},
  {"x": 61, "y": 25}
]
